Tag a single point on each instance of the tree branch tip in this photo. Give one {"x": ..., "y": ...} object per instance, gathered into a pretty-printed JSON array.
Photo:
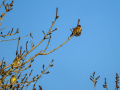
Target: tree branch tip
[
  {"x": 57, "y": 17},
  {"x": 19, "y": 38},
  {"x": 56, "y": 8},
  {"x": 51, "y": 65}
]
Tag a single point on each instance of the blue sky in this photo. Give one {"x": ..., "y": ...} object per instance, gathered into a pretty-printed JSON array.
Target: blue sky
[{"x": 97, "y": 49}]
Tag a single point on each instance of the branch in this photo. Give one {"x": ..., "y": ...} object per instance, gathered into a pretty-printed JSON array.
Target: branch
[
  {"x": 13, "y": 39},
  {"x": 9, "y": 8},
  {"x": 56, "y": 48},
  {"x": 10, "y": 33},
  {"x": 2, "y": 4},
  {"x": 3, "y": 28}
]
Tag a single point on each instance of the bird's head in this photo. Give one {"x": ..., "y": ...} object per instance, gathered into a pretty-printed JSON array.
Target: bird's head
[{"x": 78, "y": 25}]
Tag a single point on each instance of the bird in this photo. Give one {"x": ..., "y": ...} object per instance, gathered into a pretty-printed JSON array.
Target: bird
[
  {"x": 13, "y": 79},
  {"x": 77, "y": 31},
  {"x": 16, "y": 62}
]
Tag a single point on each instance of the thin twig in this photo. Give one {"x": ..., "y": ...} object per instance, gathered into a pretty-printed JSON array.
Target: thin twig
[
  {"x": 13, "y": 39},
  {"x": 3, "y": 28}
]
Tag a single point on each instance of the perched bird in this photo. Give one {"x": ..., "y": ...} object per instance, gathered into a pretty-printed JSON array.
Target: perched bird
[
  {"x": 16, "y": 62},
  {"x": 77, "y": 31},
  {"x": 13, "y": 79}
]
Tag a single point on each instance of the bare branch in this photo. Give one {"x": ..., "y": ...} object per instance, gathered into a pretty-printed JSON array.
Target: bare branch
[
  {"x": 47, "y": 45},
  {"x": 3, "y": 28},
  {"x": 10, "y": 33},
  {"x": 13, "y": 39},
  {"x": 31, "y": 40},
  {"x": 56, "y": 48},
  {"x": 2, "y": 4},
  {"x": 9, "y": 8}
]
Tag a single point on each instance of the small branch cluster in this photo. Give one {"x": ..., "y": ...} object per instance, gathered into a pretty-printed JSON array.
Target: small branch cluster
[
  {"x": 105, "y": 83},
  {"x": 94, "y": 80},
  {"x": 9, "y": 33},
  {"x": 117, "y": 81},
  {"x": 8, "y": 7}
]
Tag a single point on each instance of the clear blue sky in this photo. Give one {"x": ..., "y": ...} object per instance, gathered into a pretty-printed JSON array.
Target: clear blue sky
[{"x": 97, "y": 49}]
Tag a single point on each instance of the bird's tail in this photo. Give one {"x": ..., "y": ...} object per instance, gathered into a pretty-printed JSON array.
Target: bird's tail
[
  {"x": 10, "y": 86},
  {"x": 71, "y": 34}
]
